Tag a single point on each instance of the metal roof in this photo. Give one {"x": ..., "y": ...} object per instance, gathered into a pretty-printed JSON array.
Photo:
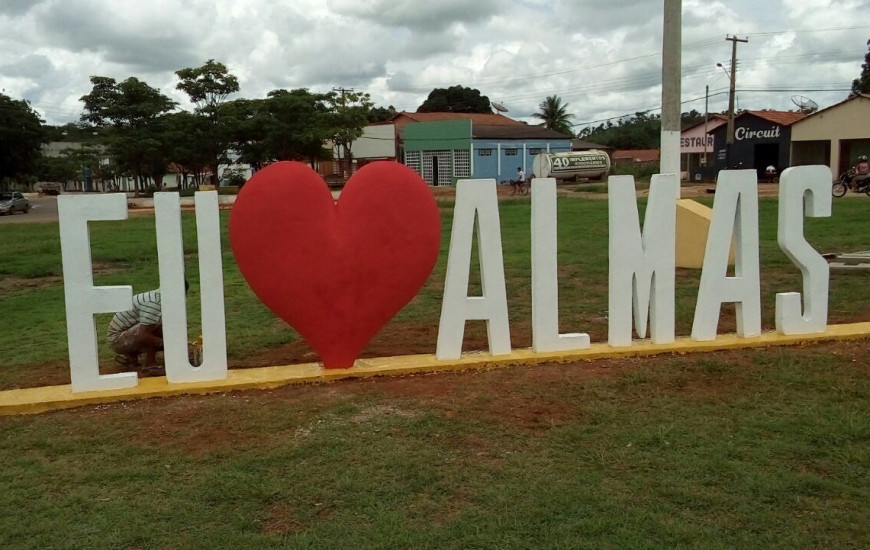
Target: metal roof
[
  {"x": 520, "y": 131},
  {"x": 783, "y": 118},
  {"x": 476, "y": 118}
]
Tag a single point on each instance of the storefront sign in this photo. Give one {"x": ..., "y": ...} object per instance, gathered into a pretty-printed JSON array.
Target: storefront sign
[
  {"x": 696, "y": 142},
  {"x": 744, "y": 133},
  {"x": 322, "y": 250}
]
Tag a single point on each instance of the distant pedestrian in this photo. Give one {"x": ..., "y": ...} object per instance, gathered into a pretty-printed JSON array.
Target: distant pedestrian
[
  {"x": 519, "y": 183},
  {"x": 862, "y": 173}
]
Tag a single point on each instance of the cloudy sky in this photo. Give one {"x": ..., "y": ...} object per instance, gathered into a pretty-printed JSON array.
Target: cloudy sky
[{"x": 603, "y": 57}]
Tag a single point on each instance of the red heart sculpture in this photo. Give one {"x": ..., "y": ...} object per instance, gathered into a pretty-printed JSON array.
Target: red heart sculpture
[{"x": 336, "y": 271}]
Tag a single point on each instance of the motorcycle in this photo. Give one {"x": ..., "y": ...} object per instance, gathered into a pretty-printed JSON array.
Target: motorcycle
[{"x": 842, "y": 184}]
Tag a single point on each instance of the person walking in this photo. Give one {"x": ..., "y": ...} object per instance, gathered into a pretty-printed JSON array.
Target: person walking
[{"x": 520, "y": 182}]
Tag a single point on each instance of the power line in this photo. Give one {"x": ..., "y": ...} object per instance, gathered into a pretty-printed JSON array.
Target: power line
[
  {"x": 645, "y": 111},
  {"x": 799, "y": 31},
  {"x": 653, "y": 78},
  {"x": 723, "y": 92},
  {"x": 700, "y": 44},
  {"x": 343, "y": 91}
]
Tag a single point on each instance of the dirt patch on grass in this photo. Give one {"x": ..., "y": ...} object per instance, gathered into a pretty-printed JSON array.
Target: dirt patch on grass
[
  {"x": 195, "y": 437},
  {"x": 395, "y": 339},
  {"x": 53, "y": 373},
  {"x": 194, "y": 425},
  {"x": 373, "y": 412},
  {"x": 519, "y": 396},
  {"x": 533, "y": 399},
  {"x": 279, "y": 520},
  {"x": 10, "y": 284}
]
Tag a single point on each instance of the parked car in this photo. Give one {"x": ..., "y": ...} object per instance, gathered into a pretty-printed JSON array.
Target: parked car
[
  {"x": 13, "y": 201},
  {"x": 49, "y": 188}
]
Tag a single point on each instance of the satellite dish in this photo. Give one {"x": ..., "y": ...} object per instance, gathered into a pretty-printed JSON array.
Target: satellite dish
[
  {"x": 498, "y": 107},
  {"x": 805, "y": 104}
]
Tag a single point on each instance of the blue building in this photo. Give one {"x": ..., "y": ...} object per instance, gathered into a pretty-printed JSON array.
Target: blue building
[
  {"x": 499, "y": 150},
  {"x": 445, "y": 147}
]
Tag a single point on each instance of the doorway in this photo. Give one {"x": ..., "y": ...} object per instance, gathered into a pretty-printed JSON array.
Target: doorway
[
  {"x": 766, "y": 154},
  {"x": 436, "y": 167},
  {"x": 435, "y": 179}
]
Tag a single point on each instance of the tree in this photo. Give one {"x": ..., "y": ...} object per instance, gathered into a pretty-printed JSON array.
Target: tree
[
  {"x": 247, "y": 134},
  {"x": 60, "y": 168},
  {"x": 128, "y": 104},
  {"x": 641, "y": 131},
  {"x": 457, "y": 99},
  {"x": 349, "y": 114},
  {"x": 21, "y": 136},
  {"x": 692, "y": 118},
  {"x": 83, "y": 164},
  {"x": 294, "y": 125},
  {"x": 381, "y": 114},
  {"x": 130, "y": 113},
  {"x": 208, "y": 87},
  {"x": 186, "y": 139},
  {"x": 555, "y": 115},
  {"x": 861, "y": 85},
  {"x": 77, "y": 132}
]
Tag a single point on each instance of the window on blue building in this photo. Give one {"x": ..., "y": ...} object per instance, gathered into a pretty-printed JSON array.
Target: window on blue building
[
  {"x": 484, "y": 152},
  {"x": 510, "y": 152}
]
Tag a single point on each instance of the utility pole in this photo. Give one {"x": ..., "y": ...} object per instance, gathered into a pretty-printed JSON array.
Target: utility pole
[
  {"x": 343, "y": 91},
  {"x": 671, "y": 61},
  {"x": 729, "y": 139},
  {"x": 706, "y": 120}
]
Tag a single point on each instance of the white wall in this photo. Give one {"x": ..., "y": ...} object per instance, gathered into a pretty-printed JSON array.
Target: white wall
[
  {"x": 692, "y": 140},
  {"x": 377, "y": 142}
]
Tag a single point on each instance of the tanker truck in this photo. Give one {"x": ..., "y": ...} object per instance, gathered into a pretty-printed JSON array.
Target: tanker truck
[{"x": 593, "y": 164}]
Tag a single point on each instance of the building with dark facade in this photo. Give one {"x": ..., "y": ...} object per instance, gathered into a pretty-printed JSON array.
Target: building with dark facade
[{"x": 761, "y": 139}]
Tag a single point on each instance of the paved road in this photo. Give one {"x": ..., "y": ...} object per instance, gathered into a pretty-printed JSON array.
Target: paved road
[{"x": 42, "y": 209}]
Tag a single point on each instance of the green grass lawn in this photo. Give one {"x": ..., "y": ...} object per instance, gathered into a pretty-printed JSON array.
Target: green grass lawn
[
  {"x": 757, "y": 449},
  {"x": 31, "y": 287},
  {"x": 754, "y": 449}
]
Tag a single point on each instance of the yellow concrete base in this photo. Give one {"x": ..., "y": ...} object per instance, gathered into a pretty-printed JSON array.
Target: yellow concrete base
[
  {"x": 693, "y": 225},
  {"x": 36, "y": 400}
]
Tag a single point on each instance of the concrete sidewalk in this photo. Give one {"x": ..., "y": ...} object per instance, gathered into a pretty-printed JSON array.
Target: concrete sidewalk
[
  {"x": 224, "y": 201},
  {"x": 147, "y": 203}
]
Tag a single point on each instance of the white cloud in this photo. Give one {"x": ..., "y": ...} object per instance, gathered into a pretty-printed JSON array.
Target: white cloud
[
  {"x": 601, "y": 56},
  {"x": 419, "y": 16}
]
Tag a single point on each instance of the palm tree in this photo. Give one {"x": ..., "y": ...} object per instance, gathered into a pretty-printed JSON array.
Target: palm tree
[{"x": 555, "y": 115}]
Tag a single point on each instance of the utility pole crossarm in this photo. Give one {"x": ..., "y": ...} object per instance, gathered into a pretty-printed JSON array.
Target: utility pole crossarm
[{"x": 343, "y": 91}]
